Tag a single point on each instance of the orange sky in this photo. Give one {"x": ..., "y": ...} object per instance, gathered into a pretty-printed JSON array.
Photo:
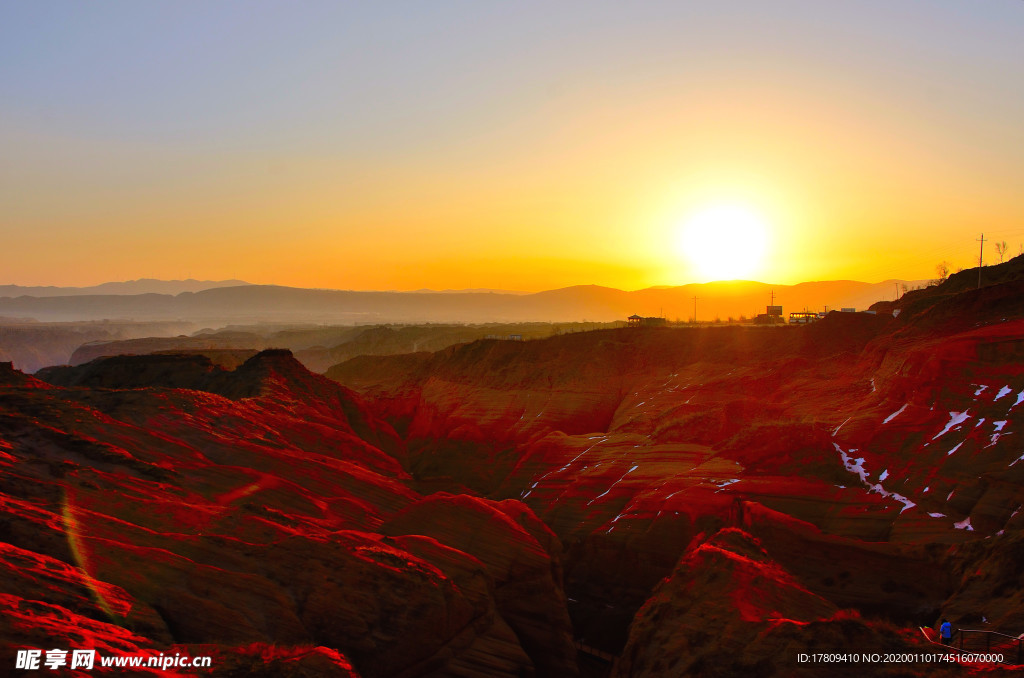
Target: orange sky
[{"x": 536, "y": 151}]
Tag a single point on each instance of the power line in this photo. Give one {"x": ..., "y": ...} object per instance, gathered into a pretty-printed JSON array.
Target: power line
[
  {"x": 885, "y": 272},
  {"x": 936, "y": 253},
  {"x": 981, "y": 259}
]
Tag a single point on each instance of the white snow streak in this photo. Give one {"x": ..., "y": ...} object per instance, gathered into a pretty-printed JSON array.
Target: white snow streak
[
  {"x": 995, "y": 438},
  {"x": 582, "y": 453},
  {"x": 955, "y": 419},
  {"x": 857, "y": 466},
  {"x": 612, "y": 485},
  {"x": 964, "y": 524},
  {"x": 724, "y": 484},
  {"x": 895, "y": 414}
]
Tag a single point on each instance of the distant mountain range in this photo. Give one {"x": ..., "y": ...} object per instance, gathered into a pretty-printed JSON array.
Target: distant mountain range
[
  {"x": 141, "y": 286},
  {"x": 476, "y": 290},
  {"x": 234, "y": 302}
]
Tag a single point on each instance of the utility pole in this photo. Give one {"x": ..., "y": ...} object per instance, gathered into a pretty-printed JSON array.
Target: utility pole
[
  {"x": 981, "y": 261},
  {"x": 695, "y": 309},
  {"x": 897, "y": 290},
  {"x": 770, "y": 316}
]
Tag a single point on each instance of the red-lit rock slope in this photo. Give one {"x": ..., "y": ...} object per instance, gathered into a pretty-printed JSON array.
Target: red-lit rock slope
[
  {"x": 833, "y": 486},
  {"x": 704, "y": 502},
  {"x": 164, "y": 504}
]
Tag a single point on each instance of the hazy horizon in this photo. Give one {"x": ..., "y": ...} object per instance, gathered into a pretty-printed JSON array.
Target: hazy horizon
[{"x": 655, "y": 286}]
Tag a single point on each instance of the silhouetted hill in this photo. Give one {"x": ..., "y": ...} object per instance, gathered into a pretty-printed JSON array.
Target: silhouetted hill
[
  {"x": 958, "y": 301},
  {"x": 272, "y": 303},
  {"x": 319, "y": 347},
  {"x": 141, "y": 286}
]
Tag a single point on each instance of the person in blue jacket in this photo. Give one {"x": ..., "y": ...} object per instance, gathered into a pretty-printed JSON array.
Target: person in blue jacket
[{"x": 945, "y": 632}]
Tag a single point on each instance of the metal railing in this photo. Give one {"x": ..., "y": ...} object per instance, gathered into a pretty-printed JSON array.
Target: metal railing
[
  {"x": 984, "y": 641},
  {"x": 980, "y": 640}
]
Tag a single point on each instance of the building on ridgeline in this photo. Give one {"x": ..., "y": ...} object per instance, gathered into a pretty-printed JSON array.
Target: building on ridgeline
[
  {"x": 771, "y": 316},
  {"x": 640, "y": 321}
]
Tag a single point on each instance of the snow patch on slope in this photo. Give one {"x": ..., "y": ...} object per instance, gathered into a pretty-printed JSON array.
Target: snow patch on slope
[
  {"x": 895, "y": 414},
  {"x": 856, "y": 466},
  {"x": 955, "y": 419}
]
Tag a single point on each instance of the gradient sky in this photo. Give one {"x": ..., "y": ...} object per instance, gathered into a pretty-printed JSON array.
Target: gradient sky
[{"x": 525, "y": 145}]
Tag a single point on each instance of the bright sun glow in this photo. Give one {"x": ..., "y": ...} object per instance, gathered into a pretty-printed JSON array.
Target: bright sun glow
[{"x": 724, "y": 242}]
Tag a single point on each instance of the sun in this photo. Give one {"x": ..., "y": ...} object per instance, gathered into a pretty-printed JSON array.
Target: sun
[{"x": 724, "y": 242}]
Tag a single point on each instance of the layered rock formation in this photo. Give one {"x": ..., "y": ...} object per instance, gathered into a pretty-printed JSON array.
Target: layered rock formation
[
  {"x": 163, "y": 503},
  {"x": 705, "y": 502},
  {"x": 857, "y": 454}
]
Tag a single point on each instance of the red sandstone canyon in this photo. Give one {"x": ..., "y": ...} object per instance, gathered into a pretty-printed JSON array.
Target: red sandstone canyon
[{"x": 636, "y": 502}]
